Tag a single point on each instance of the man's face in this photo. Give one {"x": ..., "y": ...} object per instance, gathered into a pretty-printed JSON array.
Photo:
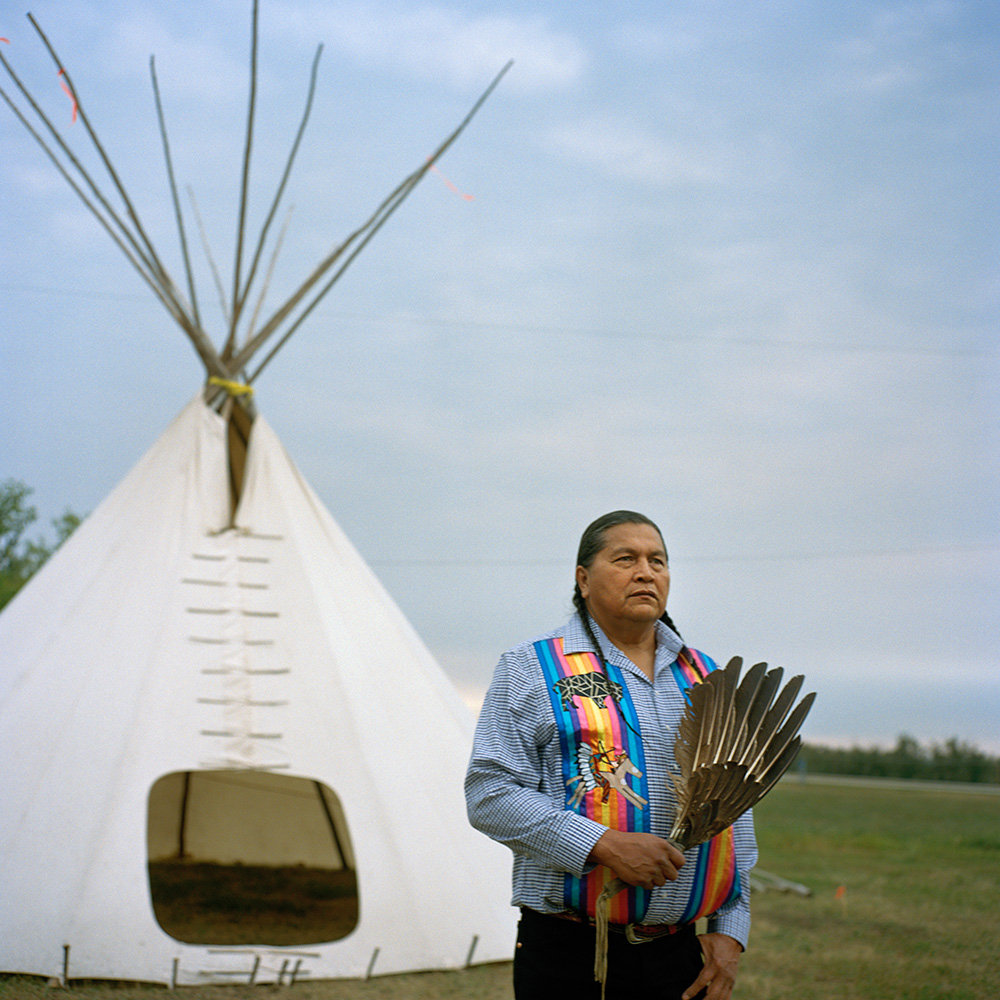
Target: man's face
[{"x": 628, "y": 581}]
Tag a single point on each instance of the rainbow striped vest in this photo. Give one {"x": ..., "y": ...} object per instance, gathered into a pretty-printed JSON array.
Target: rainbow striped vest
[{"x": 604, "y": 771}]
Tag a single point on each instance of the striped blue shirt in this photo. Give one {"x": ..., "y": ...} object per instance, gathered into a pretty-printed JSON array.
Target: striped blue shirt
[{"x": 516, "y": 794}]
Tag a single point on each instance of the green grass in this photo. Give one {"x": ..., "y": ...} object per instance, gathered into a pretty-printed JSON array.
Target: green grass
[
  {"x": 918, "y": 918},
  {"x": 906, "y": 896}
]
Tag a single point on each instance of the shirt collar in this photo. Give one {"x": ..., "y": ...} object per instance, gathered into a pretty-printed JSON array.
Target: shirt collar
[{"x": 576, "y": 640}]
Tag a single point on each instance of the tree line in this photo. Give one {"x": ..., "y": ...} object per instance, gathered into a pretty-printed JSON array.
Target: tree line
[
  {"x": 949, "y": 761},
  {"x": 21, "y": 557}
]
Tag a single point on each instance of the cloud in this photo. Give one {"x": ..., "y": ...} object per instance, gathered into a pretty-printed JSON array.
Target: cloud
[
  {"x": 438, "y": 42},
  {"x": 195, "y": 67},
  {"x": 899, "y": 48},
  {"x": 38, "y": 182},
  {"x": 620, "y": 149},
  {"x": 653, "y": 40}
]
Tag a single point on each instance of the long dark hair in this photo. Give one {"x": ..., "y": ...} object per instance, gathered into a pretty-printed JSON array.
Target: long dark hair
[{"x": 592, "y": 541}]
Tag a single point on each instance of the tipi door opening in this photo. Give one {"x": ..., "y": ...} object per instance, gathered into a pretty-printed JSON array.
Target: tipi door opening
[{"x": 249, "y": 857}]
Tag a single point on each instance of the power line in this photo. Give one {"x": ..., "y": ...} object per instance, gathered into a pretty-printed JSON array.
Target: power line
[
  {"x": 438, "y": 322},
  {"x": 754, "y": 557}
]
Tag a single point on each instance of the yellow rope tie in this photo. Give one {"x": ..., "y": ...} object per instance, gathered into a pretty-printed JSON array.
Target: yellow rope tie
[{"x": 233, "y": 388}]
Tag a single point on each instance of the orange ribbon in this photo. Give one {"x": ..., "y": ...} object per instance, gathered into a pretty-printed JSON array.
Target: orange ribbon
[
  {"x": 69, "y": 94},
  {"x": 467, "y": 197}
]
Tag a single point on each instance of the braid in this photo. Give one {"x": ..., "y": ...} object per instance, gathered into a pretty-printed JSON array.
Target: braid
[
  {"x": 581, "y": 610},
  {"x": 665, "y": 618}
]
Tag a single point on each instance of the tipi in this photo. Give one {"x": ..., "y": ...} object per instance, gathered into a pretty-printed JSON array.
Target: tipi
[{"x": 208, "y": 672}]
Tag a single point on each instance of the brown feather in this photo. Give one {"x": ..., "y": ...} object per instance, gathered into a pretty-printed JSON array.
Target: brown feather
[
  {"x": 762, "y": 701},
  {"x": 746, "y": 699}
]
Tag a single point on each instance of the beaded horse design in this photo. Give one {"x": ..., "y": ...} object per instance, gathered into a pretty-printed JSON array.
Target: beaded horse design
[{"x": 604, "y": 769}]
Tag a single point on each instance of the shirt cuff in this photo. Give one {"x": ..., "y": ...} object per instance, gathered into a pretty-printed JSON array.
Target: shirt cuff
[
  {"x": 736, "y": 924},
  {"x": 573, "y": 839}
]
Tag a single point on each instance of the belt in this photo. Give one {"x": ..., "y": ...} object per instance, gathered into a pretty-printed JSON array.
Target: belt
[{"x": 635, "y": 933}]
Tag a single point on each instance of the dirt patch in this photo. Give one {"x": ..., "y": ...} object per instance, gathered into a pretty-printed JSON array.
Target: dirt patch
[{"x": 202, "y": 903}]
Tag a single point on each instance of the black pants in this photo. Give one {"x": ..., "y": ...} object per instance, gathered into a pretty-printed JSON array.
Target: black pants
[{"x": 555, "y": 959}]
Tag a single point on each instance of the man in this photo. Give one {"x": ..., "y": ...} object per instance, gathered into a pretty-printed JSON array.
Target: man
[{"x": 570, "y": 769}]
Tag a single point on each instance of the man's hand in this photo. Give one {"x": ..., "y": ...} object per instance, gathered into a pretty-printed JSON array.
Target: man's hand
[
  {"x": 722, "y": 956},
  {"x": 640, "y": 859}
]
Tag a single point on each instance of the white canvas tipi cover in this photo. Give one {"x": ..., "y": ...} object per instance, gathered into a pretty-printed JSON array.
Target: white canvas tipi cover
[{"x": 159, "y": 642}]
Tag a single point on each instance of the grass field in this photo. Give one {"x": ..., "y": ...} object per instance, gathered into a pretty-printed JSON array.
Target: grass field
[
  {"x": 905, "y": 906},
  {"x": 906, "y": 900}
]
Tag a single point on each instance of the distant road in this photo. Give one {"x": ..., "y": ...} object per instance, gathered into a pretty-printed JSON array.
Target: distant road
[{"x": 974, "y": 788}]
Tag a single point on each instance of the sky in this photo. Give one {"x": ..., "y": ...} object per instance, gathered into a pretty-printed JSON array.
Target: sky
[{"x": 733, "y": 266}]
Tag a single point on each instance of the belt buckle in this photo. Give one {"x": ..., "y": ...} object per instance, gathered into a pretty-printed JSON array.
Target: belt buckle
[{"x": 652, "y": 932}]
